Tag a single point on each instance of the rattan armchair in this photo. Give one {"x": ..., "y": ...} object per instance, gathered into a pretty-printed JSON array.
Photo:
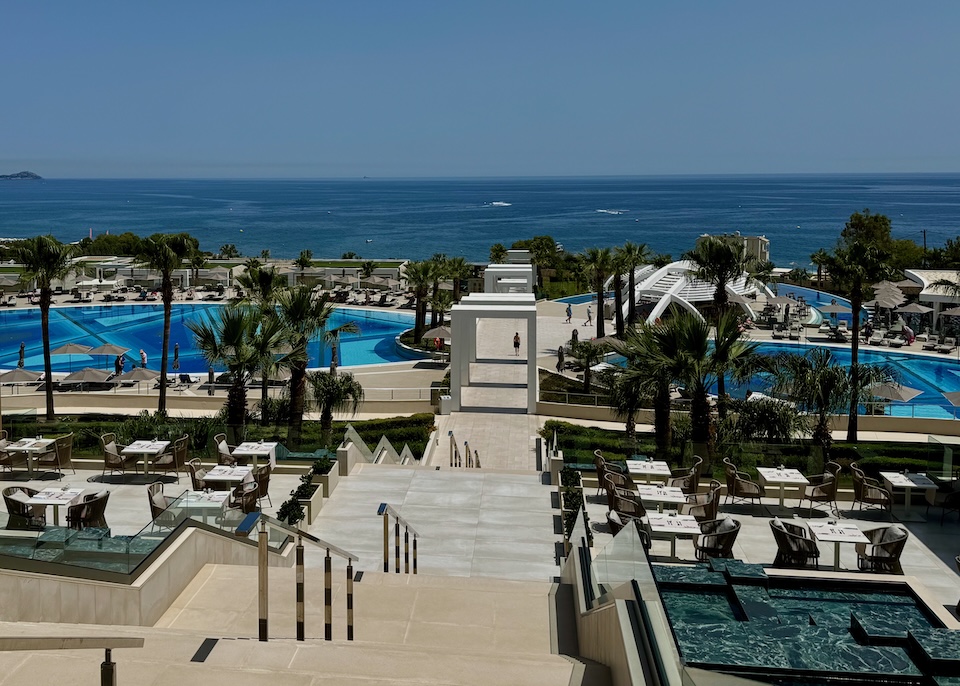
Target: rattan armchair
[
  {"x": 716, "y": 538},
  {"x": 628, "y": 507},
  {"x": 795, "y": 545},
  {"x": 59, "y": 455},
  {"x": 261, "y": 475},
  {"x": 197, "y": 472},
  {"x": 703, "y": 506},
  {"x": 739, "y": 485},
  {"x": 244, "y": 497},
  {"x": 621, "y": 485},
  {"x": 823, "y": 488},
  {"x": 882, "y": 554},
  {"x": 90, "y": 512},
  {"x": 225, "y": 454},
  {"x": 687, "y": 479},
  {"x": 113, "y": 458},
  {"x": 174, "y": 459},
  {"x": 7, "y": 459},
  {"x": 22, "y": 514},
  {"x": 603, "y": 467},
  {"x": 867, "y": 491},
  {"x": 162, "y": 517}
]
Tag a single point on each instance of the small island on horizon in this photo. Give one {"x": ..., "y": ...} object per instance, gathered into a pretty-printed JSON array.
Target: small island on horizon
[{"x": 22, "y": 175}]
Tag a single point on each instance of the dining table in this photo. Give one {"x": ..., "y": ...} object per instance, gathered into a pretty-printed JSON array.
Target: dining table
[
  {"x": 147, "y": 449},
  {"x": 55, "y": 498},
  {"x": 31, "y": 447}
]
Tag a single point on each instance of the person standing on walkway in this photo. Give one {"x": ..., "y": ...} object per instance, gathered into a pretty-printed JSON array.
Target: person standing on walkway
[
  {"x": 569, "y": 313},
  {"x": 516, "y": 344},
  {"x": 560, "y": 360},
  {"x": 143, "y": 358},
  {"x": 589, "y": 316},
  {"x": 23, "y": 352},
  {"x": 176, "y": 357}
]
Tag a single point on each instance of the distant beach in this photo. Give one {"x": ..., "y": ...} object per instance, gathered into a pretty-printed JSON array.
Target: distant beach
[{"x": 380, "y": 219}]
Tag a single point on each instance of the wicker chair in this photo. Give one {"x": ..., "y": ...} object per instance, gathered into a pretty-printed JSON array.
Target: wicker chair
[
  {"x": 603, "y": 467},
  {"x": 823, "y": 488},
  {"x": 225, "y": 451},
  {"x": 946, "y": 497},
  {"x": 618, "y": 523},
  {"x": 7, "y": 459},
  {"x": 174, "y": 459},
  {"x": 58, "y": 456},
  {"x": 262, "y": 476},
  {"x": 882, "y": 553},
  {"x": 244, "y": 497},
  {"x": 867, "y": 491},
  {"x": 739, "y": 485},
  {"x": 90, "y": 512},
  {"x": 628, "y": 507},
  {"x": 687, "y": 480},
  {"x": 196, "y": 474},
  {"x": 621, "y": 485},
  {"x": 113, "y": 458},
  {"x": 22, "y": 514},
  {"x": 703, "y": 506},
  {"x": 716, "y": 538},
  {"x": 159, "y": 503},
  {"x": 795, "y": 545}
]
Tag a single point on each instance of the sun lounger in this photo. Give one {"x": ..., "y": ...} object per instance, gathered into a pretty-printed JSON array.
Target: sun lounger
[
  {"x": 795, "y": 333},
  {"x": 876, "y": 338},
  {"x": 948, "y": 346},
  {"x": 930, "y": 344},
  {"x": 778, "y": 334}
]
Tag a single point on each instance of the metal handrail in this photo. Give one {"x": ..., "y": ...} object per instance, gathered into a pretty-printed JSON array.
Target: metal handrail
[
  {"x": 108, "y": 668},
  {"x": 310, "y": 538},
  {"x": 386, "y": 511}
]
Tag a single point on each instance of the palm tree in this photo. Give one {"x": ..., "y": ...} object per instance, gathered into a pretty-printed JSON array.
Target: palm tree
[
  {"x": 588, "y": 354},
  {"x": 632, "y": 255},
  {"x": 197, "y": 262},
  {"x": 367, "y": 269},
  {"x": 262, "y": 287},
  {"x": 598, "y": 262},
  {"x": 301, "y": 316},
  {"x": 441, "y": 304},
  {"x": 331, "y": 393},
  {"x": 693, "y": 365},
  {"x": 459, "y": 270},
  {"x": 731, "y": 354},
  {"x": 252, "y": 263},
  {"x": 438, "y": 272},
  {"x": 720, "y": 260},
  {"x": 237, "y": 338},
  {"x": 45, "y": 260},
  {"x": 618, "y": 268},
  {"x": 418, "y": 275},
  {"x": 164, "y": 254},
  {"x": 498, "y": 253},
  {"x": 331, "y": 338},
  {"x": 820, "y": 258},
  {"x": 626, "y": 397}
]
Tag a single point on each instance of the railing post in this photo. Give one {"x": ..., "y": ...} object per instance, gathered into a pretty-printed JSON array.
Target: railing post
[
  {"x": 328, "y": 597},
  {"x": 262, "y": 579},
  {"x": 301, "y": 615},
  {"x": 349, "y": 600},
  {"x": 396, "y": 543},
  {"x": 386, "y": 541},
  {"x": 453, "y": 446},
  {"x": 406, "y": 550},
  {"x": 108, "y": 670},
  {"x": 414, "y": 554}
]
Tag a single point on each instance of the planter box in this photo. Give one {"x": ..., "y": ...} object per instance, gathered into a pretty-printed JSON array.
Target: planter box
[
  {"x": 313, "y": 505},
  {"x": 329, "y": 480}
]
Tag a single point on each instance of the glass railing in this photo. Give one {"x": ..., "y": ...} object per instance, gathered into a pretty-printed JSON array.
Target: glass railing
[{"x": 95, "y": 552}]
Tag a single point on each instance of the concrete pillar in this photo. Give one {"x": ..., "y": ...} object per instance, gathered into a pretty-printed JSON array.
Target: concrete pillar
[{"x": 533, "y": 379}]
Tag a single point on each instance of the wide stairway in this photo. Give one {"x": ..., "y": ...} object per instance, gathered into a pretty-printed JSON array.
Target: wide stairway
[{"x": 479, "y": 611}]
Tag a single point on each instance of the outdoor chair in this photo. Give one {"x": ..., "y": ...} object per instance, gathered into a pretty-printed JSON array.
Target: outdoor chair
[
  {"x": 113, "y": 458},
  {"x": 244, "y": 497},
  {"x": 262, "y": 477},
  {"x": 159, "y": 503},
  {"x": 739, "y": 485},
  {"x": 90, "y": 512},
  {"x": 225, "y": 451},
  {"x": 8, "y": 459},
  {"x": 196, "y": 474},
  {"x": 58, "y": 456},
  {"x": 603, "y": 467},
  {"x": 628, "y": 507},
  {"x": 716, "y": 538},
  {"x": 795, "y": 545},
  {"x": 867, "y": 491},
  {"x": 174, "y": 459},
  {"x": 948, "y": 346},
  {"x": 882, "y": 553},
  {"x": 619, "y": 485},
  {"x": 949, "y": 504},
  {"x": 617, "y": 524},
  {"x": 823, "y": 488},
  {"x": 703, "y": 506},
  {"x": 687, "y": 480},
  {"x": 946, "y": 496},
  {"x": 22, "y": 514}
]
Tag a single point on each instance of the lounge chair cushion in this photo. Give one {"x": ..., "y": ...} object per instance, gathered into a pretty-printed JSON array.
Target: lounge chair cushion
[
  {"x": 19, "y": 496},
  {"x": 891, "y": 534},
  {"x": 614, "y": 516},
  {"x": 100, "y": 494},
  {"x": 111, "y": 447},
  {"x": 222, "y": 448},
  {"x": 159, "y": 500},
  {"x": 778, "y": 524},
  {"x": 726, "y": 525}
]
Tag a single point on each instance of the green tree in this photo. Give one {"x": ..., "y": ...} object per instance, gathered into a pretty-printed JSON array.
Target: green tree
[
  {"x": 598, "y": 263},
  {"x": 198, "y": 261},
  {"x": 459, "y": 270},
  {"x": 731, "y": 355},
  {"x": 265, "y": 254},
  {"x": 229, "y": 251},
  {"x": 859, "y": 261},
  {"x": 45, "y": 260},
  {"x": 252, "y": 263},
  {"x": 302, "y": 317},
  {"x": 331, "y": 338},
  {"x": 368, "y": 268},
  {"x": 262, "y": 287},
  {"x": 619, "y": 267},
  {"x": 632, "y": 257},
  {"x": 334, "y": 393},
  {"x": 588, "y": 354},
  {"x": 164, "y": 254},
  {"x": 441, "y": 304},
  {"x": 498, "y": 253},
  {"x": 438, "y": 272},
  {"x": 419, "y": 277},
  {"x": 820, "y": 259},
  {"x": 304, "y": 260},
  {"x": 237, "y": 338},
  {"x": 720, "y": 260}
]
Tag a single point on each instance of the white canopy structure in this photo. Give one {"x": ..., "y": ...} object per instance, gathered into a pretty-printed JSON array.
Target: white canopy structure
[{"x": 675, "y": 284}]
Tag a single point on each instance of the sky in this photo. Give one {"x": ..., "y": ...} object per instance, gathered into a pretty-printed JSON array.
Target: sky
[{"x": 452, "y": 89}]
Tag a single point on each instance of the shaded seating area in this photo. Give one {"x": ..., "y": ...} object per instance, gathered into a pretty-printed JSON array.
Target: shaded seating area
[
  {"x": 716, "y": 538},
  {"x": 882, "y": 554},
  {"x": 795, "y": 545},
  {"x": 823, "y": 488},
  {"x": 867, "y": 491},
  {"x": 740, "y": 486}
]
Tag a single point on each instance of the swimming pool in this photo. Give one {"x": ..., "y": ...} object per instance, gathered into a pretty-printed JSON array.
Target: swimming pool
[
  {"x": 141, "y": 326},
  {"x": 583, "y": 298}
]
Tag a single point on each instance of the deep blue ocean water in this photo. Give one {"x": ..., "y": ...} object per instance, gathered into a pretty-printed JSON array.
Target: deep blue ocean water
[{"x": 416, "y": 218}]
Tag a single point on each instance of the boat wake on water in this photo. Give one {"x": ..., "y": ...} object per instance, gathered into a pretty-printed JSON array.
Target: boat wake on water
[{"x": 612, "y": 211}]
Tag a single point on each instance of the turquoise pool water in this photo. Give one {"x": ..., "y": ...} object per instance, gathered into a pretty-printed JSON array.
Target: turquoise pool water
[
  {"x": 582, "y": 299},
  {"x": 141, "y": 326}
]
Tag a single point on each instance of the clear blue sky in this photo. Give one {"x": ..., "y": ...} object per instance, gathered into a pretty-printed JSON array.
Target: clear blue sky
[{"x": 349, "y": 88}]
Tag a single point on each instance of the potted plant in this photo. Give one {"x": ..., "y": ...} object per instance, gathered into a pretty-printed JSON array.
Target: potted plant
[
  {"x": 325, "y": 473},
  {"x": 571, "y": 502},
  {"x": 291, "y": 512},
  {"x": 310, "y": 496}
]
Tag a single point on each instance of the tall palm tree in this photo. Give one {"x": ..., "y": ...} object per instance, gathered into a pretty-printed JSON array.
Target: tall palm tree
[
  {"x": 262, "y": 286},
  {"x": 418, "y": 276},
  {"x": 438, "y": 272},
  {"x": 498, "y": 253},
  {"x": 341, "y": 392},
  {"x": 820, "y": 259},
  {"x": 331, "y": 338},
  {"x": 237, "y": 338},
  {"x": 301, "y": 316},
  {"x": 164, "y": 254},
  {"x": 441, "y": 304},
  {"x": 588, "y": 354},
  {"x": 198, "y": 261},
  {"x": 633, "y": 255},
  {"x": 618, "y": 269},
  {"x": 459, "y": 270},
  {"x": 598, "y": 263},
  {"x": 45, "y": 260},
  {"x": 720, "y": 260},
  {"x": 692, "y": 364},
  {"x": 367, "y": 269},
  {"x": 731, "y": 354},
  {"x": 626, "y": 397}
]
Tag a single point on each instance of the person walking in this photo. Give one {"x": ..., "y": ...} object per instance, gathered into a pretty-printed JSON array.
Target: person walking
[
  {"x": 176, "y": 357},
  {"x": 589, "y": 316},
  {"x": 516, "y": 344},
  {"x": 143, "y": 358},
  {"x": 23, "y": 352},
  {"x": 560, "y": 361},
  {"x": 569, "y": 313},
  {"x": 117, "y": 369}
]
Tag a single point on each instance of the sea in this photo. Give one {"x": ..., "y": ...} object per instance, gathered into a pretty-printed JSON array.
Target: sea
[{"x": 380, "y": 219}]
